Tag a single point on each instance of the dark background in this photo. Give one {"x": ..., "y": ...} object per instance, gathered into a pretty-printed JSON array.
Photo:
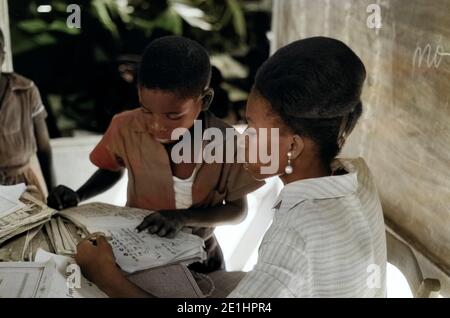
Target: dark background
[{"x": 87, "y": 75}]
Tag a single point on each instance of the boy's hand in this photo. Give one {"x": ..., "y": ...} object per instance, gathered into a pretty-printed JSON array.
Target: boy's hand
[
  {"x": 164, "y": 223},
  {"x": 95, "y": 261},
  {"x": 62, "y": 197}
]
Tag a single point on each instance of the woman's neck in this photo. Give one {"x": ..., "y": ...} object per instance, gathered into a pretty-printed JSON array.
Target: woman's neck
[{"x": 307, "y": 170}]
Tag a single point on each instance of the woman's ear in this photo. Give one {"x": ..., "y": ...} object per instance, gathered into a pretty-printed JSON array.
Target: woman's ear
[
  {"x": 297, "y": 146},
  {"x": 207, "y": 98}
]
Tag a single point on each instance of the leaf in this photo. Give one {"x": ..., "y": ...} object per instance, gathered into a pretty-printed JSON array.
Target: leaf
[
  {"x": 61, "y": 26},
  {"x": 170, "y": 21},
  {"x": 237, "y": 13},
  {"x": 33, "y": 26},
  {"x": 195, "y": 17},
  {"x": 101, "y": 7}
]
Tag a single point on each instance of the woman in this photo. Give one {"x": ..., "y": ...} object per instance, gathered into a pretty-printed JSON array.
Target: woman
[
  {"x": 327, "y": 237},
  {"x": 23, "y": 131}
]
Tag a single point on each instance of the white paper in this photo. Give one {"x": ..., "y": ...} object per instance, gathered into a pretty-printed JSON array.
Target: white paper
[
  {"x": 140, "y": 251},
  {"x": 59, "y": 287},
  {"x": 9, "y": 198},
  {"x": 60, "y": 238},
  {"x": 25, "y": 279}
]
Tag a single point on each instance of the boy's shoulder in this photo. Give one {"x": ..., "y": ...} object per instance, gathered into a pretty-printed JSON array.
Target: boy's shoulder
[
  {"x": 212, "y": 121},
  {"x": 129, "y": 120},
  {"x": 127, "y": 115},
  {"x": 229, "y": 134}
]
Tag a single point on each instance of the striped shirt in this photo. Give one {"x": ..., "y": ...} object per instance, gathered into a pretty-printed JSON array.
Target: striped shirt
[{"x": 327, "y": 239}]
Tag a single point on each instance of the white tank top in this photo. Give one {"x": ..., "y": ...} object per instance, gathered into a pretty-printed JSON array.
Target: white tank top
[{"x": 183, "y": 191}]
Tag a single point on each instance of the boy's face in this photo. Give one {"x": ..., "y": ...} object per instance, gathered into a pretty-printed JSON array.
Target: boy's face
[{"x": 166, "y": 111}]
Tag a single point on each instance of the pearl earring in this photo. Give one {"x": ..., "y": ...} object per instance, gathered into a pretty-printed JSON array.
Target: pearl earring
[{"x": 289, "y": 168}]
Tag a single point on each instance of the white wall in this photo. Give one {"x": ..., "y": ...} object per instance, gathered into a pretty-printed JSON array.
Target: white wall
[{"x": 4, "y": 25}]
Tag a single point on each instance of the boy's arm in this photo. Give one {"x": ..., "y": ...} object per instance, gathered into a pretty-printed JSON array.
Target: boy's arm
[
  {"x": 168, "y": 223},
  {"x": 101, "y": 181},
  {"x": 63, "y": 197},
  {"x": 44, "y": 151},
  {"x": 233, "y": 212}
]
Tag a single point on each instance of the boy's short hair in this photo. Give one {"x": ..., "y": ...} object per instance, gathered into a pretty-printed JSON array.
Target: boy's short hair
[
  {"x": 175, "y": 64},
  {"x": 315, "y": 86}
]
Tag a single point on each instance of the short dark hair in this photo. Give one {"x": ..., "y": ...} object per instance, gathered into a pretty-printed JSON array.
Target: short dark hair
[
  {"x": 314, "y": 85},
  {"x": 175, "y": 64}
]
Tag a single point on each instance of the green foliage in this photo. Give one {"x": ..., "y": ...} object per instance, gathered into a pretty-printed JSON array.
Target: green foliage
[{"x": 111, "y": 28}]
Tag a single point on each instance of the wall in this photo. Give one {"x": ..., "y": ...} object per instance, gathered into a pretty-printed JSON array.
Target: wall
[
  {"x": 4, "y": 25},
  {"x": 404, "y": 134}
]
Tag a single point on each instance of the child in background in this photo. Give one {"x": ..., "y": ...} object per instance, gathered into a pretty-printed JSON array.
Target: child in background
[
  {"x": 23, "y": 131},
  {"x": 174, "y": 91}
]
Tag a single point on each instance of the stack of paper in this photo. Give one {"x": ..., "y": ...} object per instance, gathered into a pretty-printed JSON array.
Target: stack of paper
[
  {"x": 63, "y": 242},
  {"x": 20, "y": 212},
  {"x": 135, "y": 251}
]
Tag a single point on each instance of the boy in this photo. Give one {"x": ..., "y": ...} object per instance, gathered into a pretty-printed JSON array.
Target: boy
[{"x": 174, "y": 92}]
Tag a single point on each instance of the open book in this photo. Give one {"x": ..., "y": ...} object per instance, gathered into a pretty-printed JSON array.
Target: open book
[{"x": 135, "y": 251}]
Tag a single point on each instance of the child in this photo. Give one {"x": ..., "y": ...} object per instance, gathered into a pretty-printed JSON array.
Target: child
[
  {"x": 174, "y": 92},
  {"x": 23, "y": 131}
]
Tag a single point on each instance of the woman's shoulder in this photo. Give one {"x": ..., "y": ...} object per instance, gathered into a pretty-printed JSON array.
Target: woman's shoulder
[{"x": 361, "y": 169}]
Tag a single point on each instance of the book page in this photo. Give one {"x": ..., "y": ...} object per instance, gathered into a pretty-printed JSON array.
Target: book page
[
  {"x": 135, "y": 251},
  {"x": 98, "y": 217},
  {"x": 140, "y": 251}
]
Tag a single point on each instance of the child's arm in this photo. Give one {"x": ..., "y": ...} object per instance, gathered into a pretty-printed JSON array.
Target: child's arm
[
  {"x": 168, "y": 223},
  {"x": 44, "y": 151},
  {"x": 233, "y": 212},
  {"x": 63, "y": 197},
  {"x": 101, "y": 181}
]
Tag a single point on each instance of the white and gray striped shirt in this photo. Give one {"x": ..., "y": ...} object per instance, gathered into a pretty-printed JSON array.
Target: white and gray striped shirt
[{"x": 327, "y": 239}]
